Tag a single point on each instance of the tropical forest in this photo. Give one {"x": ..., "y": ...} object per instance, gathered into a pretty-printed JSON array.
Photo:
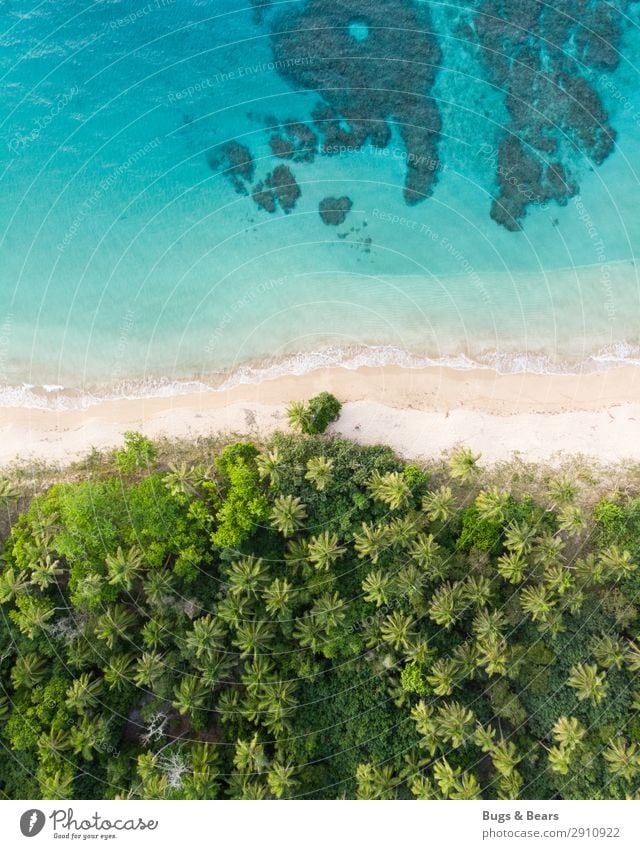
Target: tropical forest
[{"x": 310, "y": 618}]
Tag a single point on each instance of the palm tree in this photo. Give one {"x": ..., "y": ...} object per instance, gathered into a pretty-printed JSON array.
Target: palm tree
[
  {"x": 588, "y": 682},
  {"x": 476, "y": 590},
  {"x": 504, "y": 757},
  {"x": 280, "y": 779},
  {"x": 55, "y": 741},
  {"x": 12, "y": 583},
  {"x": 446, "y": 776},
  {"x": 443, "y": 676},
  {"x": 181, "y": 480},
  {"x": 423, "y": 788},
  {"x": 207, "y": 636},
  {"x": 309, "y": 633},
  {"x": 158, "y": 587},
  {"x": 370, "y": 542},
  {"x": 119, "y": 672},
  {"x": 424, "y": 550},
  {"x": 45, "y": 572},
  {"x": 401, "y": 531},
  {"x": 253, "y": 636},
  {"x": 268, "y": 465},
  {"x": 511, "y": 566},
  {"x": 115, "y": 624},
  {"x": 571, "y": 520},
  {"x": 409, "y": 585},
  {"x": 58, "y": 785},
  {"x": 426, "y": 725},
  {"x": 623, "y": 759},
  {"x": 562, "y": 490},
  {"x": 156, "y": 632},
  {"x": 258, "y": 671},
  {"x": 278, "y": 597},
  {"x": 560, "y": 759},
  {"x": 466, "y": 787},
  {"x": 29, "y": 670},
  {"x": 633, "y": 656},
  {"x": 83, "y": 693},
  {"x": 276, "y": 703},
  {"x": 568, "y": 732},
  {"x": 558, "y": 579},
  {"x": 319, "y": 472},
  {"x": 214, "y": 668},
  {"x": 247, "y": 577},
  {"x": 454, "y": 723},
  {"x": 250, "y": 756},
  {"x": 324, "y": 550},
  {"x": 398, "y": 629},
  {"x": 375, "y": 782},
  {"x": 149, "y": 668},
  {"x": 467, "y": 655},
  {"x": 492, "y": 504},
  {"x": 377, "y": 586},
  {"x": 493, "y": 655},
  {"x": 89, "y": 590},
  {"x": 88, "y": 736},
  {"x": 548, "y": 550},
  {"x": 444, "y": 608},
  {"x": 617, "y": 563},
  {"x": 535, "y": 601},
  {"x": 33, "y": 615},
  {"x": 438, "y": 504},
  {"x": 298, "y": 415},
  {"x": 190, "y": 695},
  {"x": 391, "y": 488},
  {"x": 123, "y": 569},
  {"x": 510, "y": 786},
  {"x": 288, "y": 514},
  {"x": 484, "y": 737},
  {"x": 519, "y": 537},
  {"x": 297, "y": 553},
  {"x": 609, "y": 651},
  {"x": 463, "y": 465},
  {"x": 329, "y": 611},
  {"x": 488, "y": 624}
]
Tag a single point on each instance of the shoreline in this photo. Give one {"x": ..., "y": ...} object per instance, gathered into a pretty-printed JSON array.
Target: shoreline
[{"x": 418, "y": 412}]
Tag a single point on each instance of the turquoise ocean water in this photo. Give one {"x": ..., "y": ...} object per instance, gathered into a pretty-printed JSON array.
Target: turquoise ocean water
[{"x": 129, "y": 264}]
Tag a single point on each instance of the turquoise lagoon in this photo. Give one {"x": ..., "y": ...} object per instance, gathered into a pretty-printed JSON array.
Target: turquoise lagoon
[{"x": 130, "y": 265}]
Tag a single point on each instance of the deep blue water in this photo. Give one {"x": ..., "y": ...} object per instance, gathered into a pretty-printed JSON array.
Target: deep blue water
[{"x": 126, "y": 255}]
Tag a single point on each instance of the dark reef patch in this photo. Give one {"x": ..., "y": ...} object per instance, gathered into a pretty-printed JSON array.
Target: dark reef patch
[
  {"x": 279, "y": 188},
  {"x": 234, "y": 160},
  {"x": 367, "y": 83},
  {"x": 540, "y": 55},
  {"x": 333, "y": 211},
  {"x": 294, "y": 140}
]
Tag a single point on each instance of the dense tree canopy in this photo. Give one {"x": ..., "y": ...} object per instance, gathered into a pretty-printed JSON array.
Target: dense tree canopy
[{"x": 313, "y": 618}]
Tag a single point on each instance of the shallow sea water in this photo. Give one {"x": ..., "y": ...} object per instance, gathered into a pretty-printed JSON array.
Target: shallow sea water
[{"x": 129, "y": 264}]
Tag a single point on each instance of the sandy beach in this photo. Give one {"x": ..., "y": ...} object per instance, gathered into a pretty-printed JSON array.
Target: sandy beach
[{"x": 419, "y": 412}]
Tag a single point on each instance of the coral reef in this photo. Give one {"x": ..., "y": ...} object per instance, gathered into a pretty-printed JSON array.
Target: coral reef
[
  {"x": 383, "y": 76},
  {"x": 234, "y": 160},
  {"x": 278, "y": 189},
  {"x": 541, "y": 55},
  {"x": 294, "y": 140},
  {"x": 333, "y": 210}
]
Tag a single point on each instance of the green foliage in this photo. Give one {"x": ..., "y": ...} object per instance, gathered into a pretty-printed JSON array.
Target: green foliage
[
  {"x": 244, "y": 508},
  {"x": 139, "y": 453},
  {"x": 316, "y": 415},
  {"x": 316, "y": 619}
]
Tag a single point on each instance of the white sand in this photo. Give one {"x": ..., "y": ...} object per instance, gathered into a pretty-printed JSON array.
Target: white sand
[{"x": 420, "y": 413}]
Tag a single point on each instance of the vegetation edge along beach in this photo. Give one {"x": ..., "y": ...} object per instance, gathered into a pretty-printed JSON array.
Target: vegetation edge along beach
[{"x": 308, "y": 617}]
